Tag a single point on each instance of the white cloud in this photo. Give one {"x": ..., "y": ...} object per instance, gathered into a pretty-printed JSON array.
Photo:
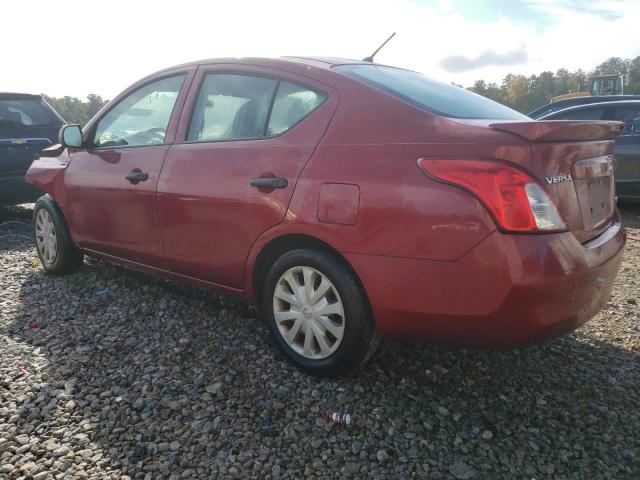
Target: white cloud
[{"x": 77, "y": 47}]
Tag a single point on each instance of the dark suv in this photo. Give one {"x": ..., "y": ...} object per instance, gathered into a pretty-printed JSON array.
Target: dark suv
[{"x": 27, "y": 125}]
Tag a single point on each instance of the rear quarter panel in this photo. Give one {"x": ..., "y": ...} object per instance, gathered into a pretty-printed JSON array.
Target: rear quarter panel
[{"x": 374, "y": 142}]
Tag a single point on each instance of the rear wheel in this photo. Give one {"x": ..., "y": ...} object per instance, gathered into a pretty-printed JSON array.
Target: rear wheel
[
  {"x": 317, "y": 313},
  {"x": 57, "y": 252}
]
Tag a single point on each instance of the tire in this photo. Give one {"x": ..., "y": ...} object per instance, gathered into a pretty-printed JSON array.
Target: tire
[
  {"x": 58, "y": 255},
  {"x": 338, "y": 322}
]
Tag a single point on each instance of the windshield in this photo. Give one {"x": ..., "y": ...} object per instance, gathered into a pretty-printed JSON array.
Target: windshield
[
  {"x": 431, "y": 95},
  {"x": 26, "y": 112}
]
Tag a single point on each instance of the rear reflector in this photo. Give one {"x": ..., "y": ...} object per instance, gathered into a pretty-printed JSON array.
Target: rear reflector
[{"x": 516, "y": 201}]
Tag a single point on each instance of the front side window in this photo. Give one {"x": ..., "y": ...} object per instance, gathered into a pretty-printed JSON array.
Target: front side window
[
  {"x": 142, "y": 117},
  {"x": 231, "y": 107},
  {"x": 293, "y": 102},
  {"x": 430, "y": 95}
]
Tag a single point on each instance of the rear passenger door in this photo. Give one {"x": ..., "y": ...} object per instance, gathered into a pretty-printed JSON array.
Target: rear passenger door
[{"x": 244, "y": 137}]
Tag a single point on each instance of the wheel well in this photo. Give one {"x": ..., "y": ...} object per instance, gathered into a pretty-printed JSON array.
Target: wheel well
[
  {"x": 48, "y": 198},
  {"x": 278, "y": 246}
]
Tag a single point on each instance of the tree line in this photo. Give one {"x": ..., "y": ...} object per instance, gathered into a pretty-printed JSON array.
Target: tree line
[
  {"x": 519, "y": 92},
  {"x": 74, "y": 110},
  {"x": 525, "y": 94}
]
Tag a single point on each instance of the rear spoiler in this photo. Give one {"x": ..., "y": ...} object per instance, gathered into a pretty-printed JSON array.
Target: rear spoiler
[{"x": 562, "y": 130}]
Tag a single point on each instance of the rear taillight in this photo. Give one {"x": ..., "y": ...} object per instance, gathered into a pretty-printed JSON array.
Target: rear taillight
[{"x": 515, "y": 200}]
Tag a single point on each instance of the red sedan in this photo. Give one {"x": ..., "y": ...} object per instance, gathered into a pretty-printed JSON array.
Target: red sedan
[{"x": 351, "y": 200}]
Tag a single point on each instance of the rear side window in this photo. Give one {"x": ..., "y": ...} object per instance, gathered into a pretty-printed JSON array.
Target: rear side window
[
  {"x": 231, "y": 107},
  {"x": 587, "y": 113},
  {"x": 26, "y": 112},
  {"x": 293, "y": 102},
  {"x": 430, "y": 95}
]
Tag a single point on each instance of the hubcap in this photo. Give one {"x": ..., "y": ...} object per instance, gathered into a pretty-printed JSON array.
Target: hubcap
[
  {"x": 46, "y": 240},
  {"x": 308, "y": 312}
]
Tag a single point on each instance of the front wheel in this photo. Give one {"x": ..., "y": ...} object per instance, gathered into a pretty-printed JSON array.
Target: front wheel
[
  {"x": 57, "y": 252},
  {"x": 317, "y": 313}
]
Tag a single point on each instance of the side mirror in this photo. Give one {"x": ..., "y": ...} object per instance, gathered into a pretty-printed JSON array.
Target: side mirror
[{"x": 71, "y": 136}]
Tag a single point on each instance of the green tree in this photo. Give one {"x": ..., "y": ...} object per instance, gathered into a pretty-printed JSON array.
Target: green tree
[
  {"x": 542, "y": 89},
  {"x": 516, "y": 91},
  {"x": 494, "y": 92},
  {"x": 479, "y": 87},
  {"x": 613, "y": 65},
  {"x": 94, "y": 104},
  {"x": 570, "y": 82},
  {"x": 74, "y": 110},
  {"x": 632, "y": 83}
]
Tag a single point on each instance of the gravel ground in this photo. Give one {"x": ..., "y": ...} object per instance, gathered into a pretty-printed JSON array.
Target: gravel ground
[{"x": 111, "y": 374}]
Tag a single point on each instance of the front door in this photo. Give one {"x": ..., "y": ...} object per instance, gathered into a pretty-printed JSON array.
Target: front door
[
  {"x": 244, "y": 138},
  {"x": 111, "y": 185}
]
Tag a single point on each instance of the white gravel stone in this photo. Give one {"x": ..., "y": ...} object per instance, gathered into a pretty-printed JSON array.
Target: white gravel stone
[{"x": 160, "y": 380}]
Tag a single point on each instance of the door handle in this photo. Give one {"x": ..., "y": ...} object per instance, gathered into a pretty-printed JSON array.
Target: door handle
[
  {"x": 269, "y": 182},
  {"x": 135, "y": 177}
]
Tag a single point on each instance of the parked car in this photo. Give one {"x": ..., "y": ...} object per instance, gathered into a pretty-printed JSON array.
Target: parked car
[
  {"x": 558, "y": 105},
  {"x": 27, "y": 125},
  {"x": 351, "y": 200},
  {"x": 627, "y": 148}
]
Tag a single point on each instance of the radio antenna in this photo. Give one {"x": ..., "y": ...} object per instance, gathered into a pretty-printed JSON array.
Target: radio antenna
[{"x": 370, "y": 58}]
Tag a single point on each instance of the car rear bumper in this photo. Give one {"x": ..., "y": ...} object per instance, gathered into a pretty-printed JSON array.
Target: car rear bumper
[
  {"x": 510, "y": 290},
  {"x": 15, "y": 190}
]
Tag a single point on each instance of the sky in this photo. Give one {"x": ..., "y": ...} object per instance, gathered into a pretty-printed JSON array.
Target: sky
[{"x": 77, "y": 47}]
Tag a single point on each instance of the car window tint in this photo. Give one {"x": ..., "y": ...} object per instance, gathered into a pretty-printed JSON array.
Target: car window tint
[
  {"x": 431, "y": 95},
  {"x": 590, "y": 113},
  {"x": 231, "y": 107},
  {"x": 142, "y": 117},
  {"x": 293, "y": 102},
  {"x": 26, "y": 112}
]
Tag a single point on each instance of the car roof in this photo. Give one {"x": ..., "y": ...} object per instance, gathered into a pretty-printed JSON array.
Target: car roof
[
  {"x": 18, "y": 96},
  {"x": 596, "y": 99},
  {"x": 298, "y": 63},
  {"x": 625, "y": 103}
]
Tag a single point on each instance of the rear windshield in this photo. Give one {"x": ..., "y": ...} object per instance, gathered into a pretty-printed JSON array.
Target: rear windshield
[
  {"x": 26, "y": 112},
  {"x": 431, "y": 95}
]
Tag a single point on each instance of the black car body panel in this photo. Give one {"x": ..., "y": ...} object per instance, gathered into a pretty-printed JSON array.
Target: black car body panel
[
  {"x": 27, "y": 125},
  {"x": 627, "y": 168}
]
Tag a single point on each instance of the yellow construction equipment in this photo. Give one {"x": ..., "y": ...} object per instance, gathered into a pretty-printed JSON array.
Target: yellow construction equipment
[{"x": 612, "y": 84}]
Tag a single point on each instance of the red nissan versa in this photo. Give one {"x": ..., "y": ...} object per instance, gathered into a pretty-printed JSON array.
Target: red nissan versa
[{"x": 351, "y": 200}]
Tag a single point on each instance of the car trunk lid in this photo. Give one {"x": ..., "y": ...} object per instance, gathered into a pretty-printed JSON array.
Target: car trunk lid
[{"x": 573, "y": 160}]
